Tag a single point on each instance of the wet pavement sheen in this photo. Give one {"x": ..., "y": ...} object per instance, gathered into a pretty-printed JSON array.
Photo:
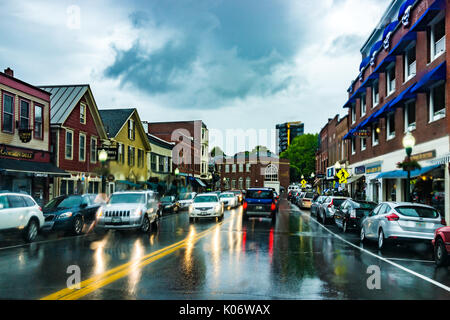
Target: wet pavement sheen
[{"x": 295, "y": 258}]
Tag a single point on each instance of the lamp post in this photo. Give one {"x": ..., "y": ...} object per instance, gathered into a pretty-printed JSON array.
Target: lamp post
[
  {"x": 408, "y": 143},
  {"x": 103, "y": 157}
]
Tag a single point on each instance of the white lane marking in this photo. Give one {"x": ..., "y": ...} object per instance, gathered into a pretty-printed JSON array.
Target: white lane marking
[
  {"x": 410, "y": 260},
  {"x": 438, "y": 284}
]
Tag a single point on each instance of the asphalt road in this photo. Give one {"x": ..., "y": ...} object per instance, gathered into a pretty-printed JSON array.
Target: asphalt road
[{"x": 296, "y": 258}]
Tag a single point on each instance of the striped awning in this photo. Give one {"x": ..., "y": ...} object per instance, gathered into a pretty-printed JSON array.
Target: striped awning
[{"x": 441, "y": 160}]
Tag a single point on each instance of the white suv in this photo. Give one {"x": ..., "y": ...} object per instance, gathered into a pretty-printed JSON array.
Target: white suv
[{"x": 20, "y": 213}]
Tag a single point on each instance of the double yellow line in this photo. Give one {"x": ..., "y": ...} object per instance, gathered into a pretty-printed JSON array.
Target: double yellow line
[{"x": 101, "y": 280}]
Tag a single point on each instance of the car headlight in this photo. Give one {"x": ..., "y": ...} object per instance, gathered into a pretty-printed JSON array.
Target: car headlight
[
  {"x": 191, "y": 208},
  {"x": 65, "y": 215},
  {"x": 137, "y": 212},
  {"x": 218, "y": 207},
  {"x": 99, "y": 212}
]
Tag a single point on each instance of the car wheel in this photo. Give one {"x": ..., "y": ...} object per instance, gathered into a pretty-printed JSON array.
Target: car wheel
[
  {"x": 362, "y": 237},
  {"x": 381, "y": 240},
  {"x": 145, "y": 225},
  {"x": 77, "y": 226},
  {"x": 440, "y": 253},
  {"x": 344, "y": 226},
  {"x": 31, "y": 231}
]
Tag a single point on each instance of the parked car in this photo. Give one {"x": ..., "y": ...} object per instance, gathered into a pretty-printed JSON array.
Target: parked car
[
  {"x": 297, "y": 197},
  {"x": 229, "y": 199},
  {"x": 239, "y": 195},
  {"x": 405, "y": 221},
  {"x": 186, "y": 199},
  {"x": 128, "y": 210},
  {"x": 351, "y": 212},
  {"x": 441, "y": 244},
  {"x": 259, "y": 202},
  {"x": 206, "y": 205},
  {"x": 305, "y": 202},
  {"x": 168, "y": 204},
  {"x": 19, "y": 213},
  {"x": 69, "y": 213},
  {"x": 315, "y": 205},
  {"x": 328, "y": 208}
]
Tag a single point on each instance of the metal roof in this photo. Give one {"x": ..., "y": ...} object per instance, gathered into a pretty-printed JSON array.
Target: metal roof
[
  {"x": 114, "y": 119},
  {"x": 63, "y": 100}
]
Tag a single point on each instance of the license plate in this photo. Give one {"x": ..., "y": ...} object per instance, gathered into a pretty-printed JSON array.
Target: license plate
[
  {"x": 116, "y": 220},
  {"x": 203, "y": 213},
  {"x": 420, "y": 224},
  {"x": 259, "y": 207}
]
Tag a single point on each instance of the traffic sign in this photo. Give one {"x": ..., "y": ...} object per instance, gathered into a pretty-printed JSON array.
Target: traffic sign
[
  {"x": 303, "y": 182},
  {"x": 342, "y": 175}
]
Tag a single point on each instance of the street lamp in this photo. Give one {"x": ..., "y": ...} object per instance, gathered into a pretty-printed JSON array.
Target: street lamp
[
  {"x": 408, "y": 143},
  {"x": 176, "y": 171},
  {"x": 103, "y": 157}
]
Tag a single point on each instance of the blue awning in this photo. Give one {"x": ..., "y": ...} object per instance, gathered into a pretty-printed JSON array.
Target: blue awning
[
  {"x": 389, "y": 28},
  {"x": 364, "y": 63},
  {"x": 437, "y": 74},
  {"x": 129, "y": 183},
  {"x": 403, "y": 8},
  {"x": 368, "y": 120},
  {"x": 383, "y": 64},
  {"x": 403, "y": 43},
  {"x": 382, "y": 110},
  {"x": 375, "y": 47},
  {"x": 404, "y": 175},
  {"x": 403, "y": 96},
  {"x": 428, "y": 15}
]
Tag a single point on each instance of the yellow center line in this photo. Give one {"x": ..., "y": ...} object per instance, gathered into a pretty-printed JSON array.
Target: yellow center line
[{"x": 101, "y": 280}]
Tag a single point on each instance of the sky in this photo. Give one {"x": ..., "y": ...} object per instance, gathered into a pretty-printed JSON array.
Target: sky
[{"x": 235, "y": 64}]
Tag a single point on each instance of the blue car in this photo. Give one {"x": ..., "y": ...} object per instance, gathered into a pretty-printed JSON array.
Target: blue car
[
  {"x": 69, "y": 213},
  {"x": 260, "y": 202}
]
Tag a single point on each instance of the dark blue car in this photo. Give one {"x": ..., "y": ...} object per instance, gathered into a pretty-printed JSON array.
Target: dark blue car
[
  {"x": 260, "y": 202},
  {"x": 69, "y": 213}
]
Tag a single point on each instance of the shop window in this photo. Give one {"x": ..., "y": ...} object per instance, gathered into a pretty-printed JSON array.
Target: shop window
[
  {"x": 82, "y": 148},
  {"x": 437, "y": 102},
  {"x": 8, "y": 113},
  {"x": 38, "y": 122},
  {"x": 69, "y": 145},
  {"x": 82, "y": 113},
  {"x": 24, "y": 122},
  {"x": 410, "y": 116},
  {"x": 131, "y": 156},
  {"x": 70, "y": 186},
  {"x": 153, "y": 162},
  {"x": 375, "y": 94},
  {"x": 363, "y": 105},
  {"x": 410, "y": 62},
  {"x": 390, "y": 128},
  {"x": 390, "y": 79},
  {"x": 161, "y": 164}
]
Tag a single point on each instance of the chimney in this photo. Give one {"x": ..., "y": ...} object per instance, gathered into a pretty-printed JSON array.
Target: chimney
[{"x": 9, "y": 72}]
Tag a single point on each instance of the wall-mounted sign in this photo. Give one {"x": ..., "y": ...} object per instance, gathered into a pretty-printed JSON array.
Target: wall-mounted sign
[
  {"x": 362, "y": 133},
  {"x": 25, "y": 135},
  {"x": 16, "y": 154},
  {"x": 424, "y": 156},
  {"x": 375, "y": 168},
  {"x": 113, "y": 153},
  {"x": 330, "y": 173},
  {"x": 360, "y": 170}
]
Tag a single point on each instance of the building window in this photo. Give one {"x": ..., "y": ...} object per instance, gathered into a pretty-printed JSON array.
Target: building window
[
  {"x": 248, "y": 183},
  {"x": 410, "y": 62},
  {"x": 8, "y": 113},
  {"x": 241, "y": 183},
  {"x": 248, "y": 165},
  {"x": 353, "y": 113},
  {"x": 82, "y": 148},
  {"x": 227, "y": 168},
  {"x": 131, "y": 156},
  {"x": 241, "y": 167},
  {"x": 161, "y": 163},
  {"x": 363, "y": 105},
  {"x": 82, "y": 113},
  {"x": 375, "y": 137},
  {"x": 390, "y": 79},
  {"x": 131, "y": 129},
  {"x": 233, "y": 168},
  {"x": 437, "y": 102},
  {"x": 437, "y": 38},
  {"x": 375, "y": 94},
  {"x": 271, "y": 173},
  {"x": 233, "y": 184},
  {"x": 410, "y": 116},
  {"x": 24, "y": 122},
  {"x": 93, "y": 150},
  {"x": 390, "y": 127},
  {"x": 363, "y": 144},
  {"x": 38, "y": 124},
  {"x": 353, "y": 146},
  {"x": 153, "y": 162},
  {"x": 69, "y": 145},
  {"x": 121, "y": 153}
]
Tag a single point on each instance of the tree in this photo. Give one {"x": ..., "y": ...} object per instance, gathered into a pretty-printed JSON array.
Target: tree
[{"x": 301, "y": 155}]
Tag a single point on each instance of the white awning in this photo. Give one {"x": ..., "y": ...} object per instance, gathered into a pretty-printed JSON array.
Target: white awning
[{"x": 354, "y": 178}]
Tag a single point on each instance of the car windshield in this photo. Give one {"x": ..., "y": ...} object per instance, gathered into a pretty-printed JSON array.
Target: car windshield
[
  {"x": 186, "y": 196},
  {"x": 166, "y": 199},
  {"x": 226, "y": 195},
  {"x": 202, "y": 199},
  {"x": 259, "y": 194},
  {"x": 64, "y": 203},
  {"x": 419, "y": 212},
  {"x": 127, "y": 198},
  {"x": 366, "y": 205}
]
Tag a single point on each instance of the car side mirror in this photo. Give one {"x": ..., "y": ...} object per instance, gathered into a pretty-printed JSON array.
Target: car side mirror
[{"x": 83, "y": 205}]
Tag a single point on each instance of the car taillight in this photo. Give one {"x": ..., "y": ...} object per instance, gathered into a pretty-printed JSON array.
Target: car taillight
[
  {"x": 331, "y": 204},
  {"x": 392, "y": 217},
  {"x": 273, "y": 207},
  {"x": 40, "y": 209},
  {"x": 245, "y": 205},
  {"x": 443, "y": 222}
]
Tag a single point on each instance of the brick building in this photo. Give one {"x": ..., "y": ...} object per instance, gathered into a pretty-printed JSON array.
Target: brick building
[{"x": 402, "y": 86}]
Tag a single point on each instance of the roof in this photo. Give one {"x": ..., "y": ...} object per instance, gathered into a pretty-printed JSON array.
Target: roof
[
  {"x": 63, "y": 100},
  {"x": 15, "y": 165},
  {"x": 114, "y": 119},
  {"x": 160, "y": 142}
]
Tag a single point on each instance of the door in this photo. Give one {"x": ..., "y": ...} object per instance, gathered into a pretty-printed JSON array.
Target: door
[
  {"x": 17, "y": 214},
  {"x": 370, "y": 221}
]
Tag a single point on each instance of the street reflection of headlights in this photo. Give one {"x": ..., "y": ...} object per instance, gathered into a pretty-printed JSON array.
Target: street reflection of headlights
[
  {"x": 65, "y": 215},
  {"x": 191, "y": 209}
]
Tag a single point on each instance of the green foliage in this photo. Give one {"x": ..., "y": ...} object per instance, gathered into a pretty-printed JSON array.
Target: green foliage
[{"x": 302, "y": 155}]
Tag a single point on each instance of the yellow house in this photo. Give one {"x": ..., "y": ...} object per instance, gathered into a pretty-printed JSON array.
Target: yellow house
[{"x": 125, "y": 130}]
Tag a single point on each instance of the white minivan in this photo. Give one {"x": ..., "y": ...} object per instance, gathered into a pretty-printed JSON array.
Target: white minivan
[{"x": 20, "y": 213}]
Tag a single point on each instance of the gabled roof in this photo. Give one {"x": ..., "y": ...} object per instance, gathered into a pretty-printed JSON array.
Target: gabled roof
[
  {"x": 63, "y": 100},
  {"x": 114, "y": 120}
]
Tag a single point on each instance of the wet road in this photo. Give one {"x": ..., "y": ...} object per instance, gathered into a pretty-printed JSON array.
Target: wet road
[{"x": 295, "y": 258}]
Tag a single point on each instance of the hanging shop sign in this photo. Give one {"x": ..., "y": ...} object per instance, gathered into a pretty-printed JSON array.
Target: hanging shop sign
[
  {"x": 110, "y": 178},
  {"x": 25, "y": 135},
  {"x": 362, "y": 133},
  {"x": 16, "y": 154},
  {"x": 424, "y": 156},
  {"x": 113, "y": 152}
]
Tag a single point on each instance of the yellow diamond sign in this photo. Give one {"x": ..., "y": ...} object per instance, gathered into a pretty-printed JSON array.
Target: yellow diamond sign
[
  {"x": 303, "y": 182},
  {"x": 342, "y": 175}
]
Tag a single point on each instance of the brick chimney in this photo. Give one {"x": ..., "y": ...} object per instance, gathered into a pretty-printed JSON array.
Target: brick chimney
[{"x": 9, "y": 72}]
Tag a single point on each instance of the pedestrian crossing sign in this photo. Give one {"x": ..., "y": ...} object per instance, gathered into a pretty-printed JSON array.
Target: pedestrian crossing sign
[
  {"x": 303, "y": 182},
  {"x": 342, "y": 175}
]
